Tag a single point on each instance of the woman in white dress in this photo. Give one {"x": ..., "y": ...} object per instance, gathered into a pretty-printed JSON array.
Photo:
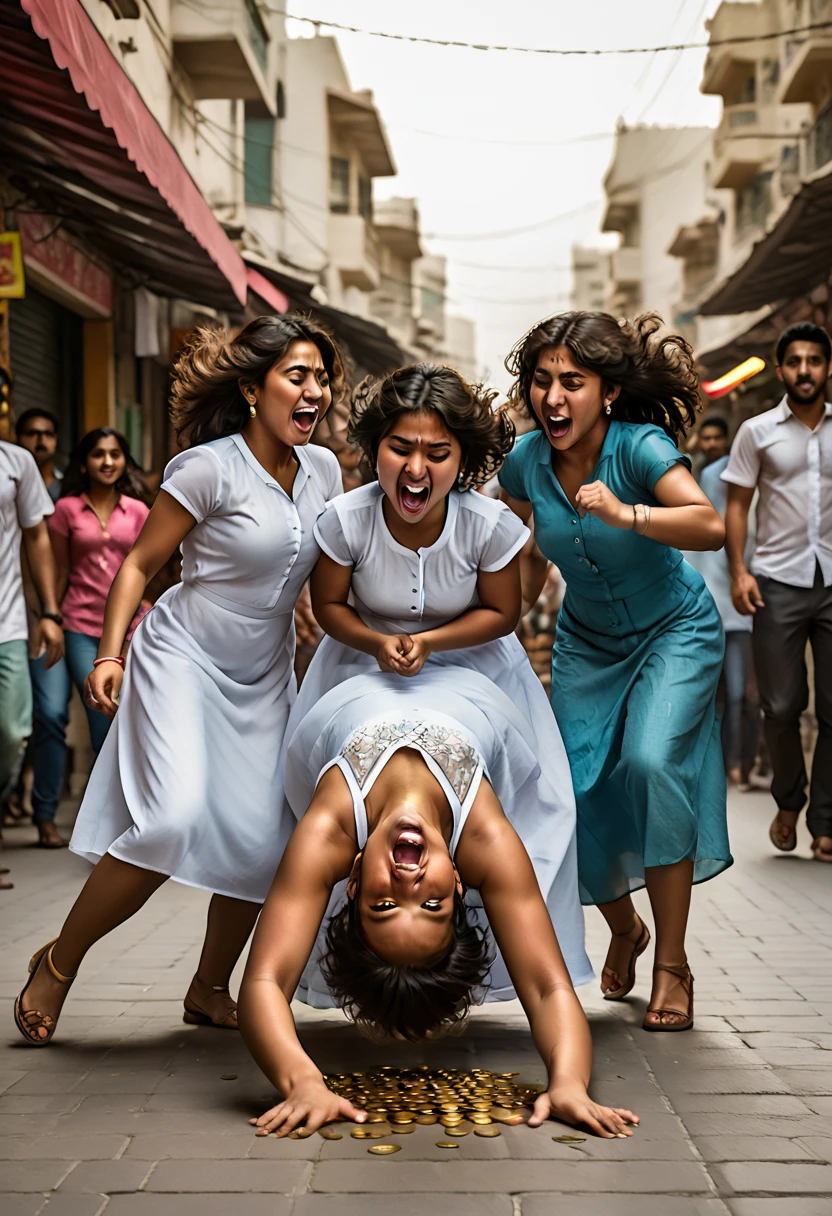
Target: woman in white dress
[
  {"x": 415, "y": 790},
  {"x": 187, "y": 785},
  {"x": 419, "y": 573}
]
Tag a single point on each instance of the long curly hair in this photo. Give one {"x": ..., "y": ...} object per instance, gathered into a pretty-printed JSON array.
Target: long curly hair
[
  {"x": 406, "y": 1002},
  {"x": 654, "y": 371},
  {"x": 206, "y": 399},
  {"x": 76, "y": 479},
  {"x": 485, "y": 435}
]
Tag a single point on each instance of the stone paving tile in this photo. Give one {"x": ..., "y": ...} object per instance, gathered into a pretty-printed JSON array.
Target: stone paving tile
[
  {"x": 106, "y": 1177},
  {"x": 32, "y": 1175},
  {"x": 774, "y": 1207},
  {"x": 74, "y": 1205},
  {"x": 758, "y": 1177},
  {"x": 624, "y": 1205},
  {"x": 406, "y": 1205},
  {"x": 199, "y": 1205},
  {"x": 755, "y": 1148},
  {"x": 281, "y": 1177},
  {"x": 22, "y": 1205},
  {"x": 514, "y": 1177},
  {"x": 61, "y": 1148}
]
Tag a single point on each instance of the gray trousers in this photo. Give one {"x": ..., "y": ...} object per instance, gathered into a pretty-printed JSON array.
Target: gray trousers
[{"x": 792, "y": 617}]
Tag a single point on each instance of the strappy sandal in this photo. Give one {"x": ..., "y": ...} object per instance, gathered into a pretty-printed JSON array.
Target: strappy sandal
[
  {"x": 22, "y": 1017},
  {"x": 198, "y": 1017},
  {"x": 787, "y": 844},
  {"x": 683, "y": 974},
  {"x": 617, "y": 994}
]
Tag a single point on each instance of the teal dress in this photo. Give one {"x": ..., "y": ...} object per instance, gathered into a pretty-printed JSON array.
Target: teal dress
[{"x": 635, "y": 666}]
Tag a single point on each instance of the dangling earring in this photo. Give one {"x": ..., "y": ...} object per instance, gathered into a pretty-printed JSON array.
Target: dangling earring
[
  {"x": 251, "y": 407},
  {"x": 608, "y": 408}
]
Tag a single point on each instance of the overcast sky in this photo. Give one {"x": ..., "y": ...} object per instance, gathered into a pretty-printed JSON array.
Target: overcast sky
[{"x": 490, "y": 142}]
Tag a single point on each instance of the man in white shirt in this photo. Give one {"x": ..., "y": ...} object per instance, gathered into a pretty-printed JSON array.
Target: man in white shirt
[
  {"x": 24, "y": 505},
  {"x": 786, "y": 453}
]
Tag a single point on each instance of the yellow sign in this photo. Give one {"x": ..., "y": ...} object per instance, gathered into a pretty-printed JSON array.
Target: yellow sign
[{"x": 12, "y": 282}]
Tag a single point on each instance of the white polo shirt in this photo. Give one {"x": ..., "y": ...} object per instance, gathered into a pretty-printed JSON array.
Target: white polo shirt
[
  {"x": 24, "y": 501},
  {"x": 792, "y": 468}
]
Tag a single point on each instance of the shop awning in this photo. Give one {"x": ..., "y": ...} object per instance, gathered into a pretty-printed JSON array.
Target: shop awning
[
  {"x": 79, "y": 143},
  {"x": 791, "y": 259},
  {"x": 369, "y": 345},
  {"x": 272, "y": 295}
]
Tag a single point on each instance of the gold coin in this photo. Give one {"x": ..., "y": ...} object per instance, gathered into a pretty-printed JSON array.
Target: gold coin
[
  {"x": 449, "y": 1107},
  {"x": 378, "y": 1133},
  {"x": 512, "y": 1120},
  {"x": 300, "y": 1133},
  {"x": 483, "y": 1106},
  {"x": 482, "y": 1120},
  {"x": 569, "y": 1139},
  {"x": 329, "y": 1133},
  {"x": 491, "y": 1130},
  {"x": 403, "y": 1129},
  {"x": 224, "y": 1076},
  {"x": 377, "y": 1118},
  {"x": 459, "y": 1132},
  {"x": 425, "y": 1120},
  {"x": 446, "y": 1144},
  {"x": 360, "y": 1133},
  {"x": 450, "y": 1120},
  {"x": 384, "y": 1150},
  {"x": 401, "y": 1116}
]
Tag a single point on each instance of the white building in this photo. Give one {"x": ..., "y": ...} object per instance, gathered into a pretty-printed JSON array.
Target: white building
[
  {"x": 460, "y": 350},
  {"x": 590, "y": 278}
]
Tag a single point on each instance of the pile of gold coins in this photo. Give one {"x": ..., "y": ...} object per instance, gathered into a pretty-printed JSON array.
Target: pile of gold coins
[{"x": 397, "y": 1100}]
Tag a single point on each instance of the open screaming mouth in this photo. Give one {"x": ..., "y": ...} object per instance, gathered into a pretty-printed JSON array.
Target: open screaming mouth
[
  {"x": 305, "y": 417},
  {"x": 558, "y": 427},
  {"x": 407, "y": 851},
  {"x": 414, "y": 498}
]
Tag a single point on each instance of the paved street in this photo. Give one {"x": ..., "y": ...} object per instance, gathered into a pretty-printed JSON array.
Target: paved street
[{"x": 129, "y": 1112}]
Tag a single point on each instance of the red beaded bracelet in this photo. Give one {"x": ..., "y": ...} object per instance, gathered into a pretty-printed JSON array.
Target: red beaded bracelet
[{"x": 116, "y": 658}]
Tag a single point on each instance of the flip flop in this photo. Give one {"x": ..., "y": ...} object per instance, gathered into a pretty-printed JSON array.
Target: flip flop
[{"x": 820, "y": 854}]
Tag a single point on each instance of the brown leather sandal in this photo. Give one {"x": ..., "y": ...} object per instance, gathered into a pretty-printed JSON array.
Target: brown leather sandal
[
  {"x": 29, "y": 1021},
  {"x": 684, "y": 975},
  {"x": 195, "y": 1016},
  {"x": 617, "y": 994},
  {"x": 787, "y": 843}
]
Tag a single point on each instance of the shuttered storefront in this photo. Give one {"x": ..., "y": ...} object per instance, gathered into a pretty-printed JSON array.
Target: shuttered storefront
[{"x": 46, "y": 349}]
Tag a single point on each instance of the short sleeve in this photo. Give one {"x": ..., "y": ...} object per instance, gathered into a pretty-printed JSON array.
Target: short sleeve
[
  {"x": 337, "y": 478},
  {"x": 194, "y": 479},
  {"x": 744, "y": 463},
  {"x": 652, "y": 454},
  {"x": 511, "y": 476},
  {"x": 329, "y": 533},
  {"x": 33, "y": 501},
  {"x": 507, "y": 539},
  {"x": 60, "y": 521}
]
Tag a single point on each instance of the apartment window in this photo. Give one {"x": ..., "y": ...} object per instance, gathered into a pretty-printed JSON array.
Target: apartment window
[
  {"x": 339, "y": 185},
  {"x": 258, "y": 160},
  {"x": 754, "y": 204},
  {"x": 365, "y": 198}
]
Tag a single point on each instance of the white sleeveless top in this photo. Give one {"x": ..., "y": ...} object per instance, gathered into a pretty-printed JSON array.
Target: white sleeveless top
[{"x": 447, "y": 751}]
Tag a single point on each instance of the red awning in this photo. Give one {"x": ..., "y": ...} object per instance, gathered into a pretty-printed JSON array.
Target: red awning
[
  {"x": 106, "y": 163},
  {"x": 267, "y": 291}
]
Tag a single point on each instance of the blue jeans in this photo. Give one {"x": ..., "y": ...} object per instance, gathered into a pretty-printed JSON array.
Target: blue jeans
[
  {"x": 52, "y": 690},
  {"x": 15, "y": 708},
  {"x": 741, "y": 720}
]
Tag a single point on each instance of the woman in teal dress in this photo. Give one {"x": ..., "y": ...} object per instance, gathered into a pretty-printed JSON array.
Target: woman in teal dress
[{"x": 639, "y": 642}]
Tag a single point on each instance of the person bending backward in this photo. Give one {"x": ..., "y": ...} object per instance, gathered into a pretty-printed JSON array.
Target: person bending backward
[
  {"x": 639, "y": 642},
  {"x": 204, "y": 700},
  {"x": 786, "y": 453}
]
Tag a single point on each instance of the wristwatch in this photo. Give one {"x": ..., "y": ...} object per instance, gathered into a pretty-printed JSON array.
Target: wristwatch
[{"x": 53, "y": 616}]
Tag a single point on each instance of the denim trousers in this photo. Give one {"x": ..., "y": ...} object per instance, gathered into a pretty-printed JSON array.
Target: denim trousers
[
  {"x": 741, "y": 717},
  {"x": 52, "y": 690},
  {"x": 15, "y": 708}
]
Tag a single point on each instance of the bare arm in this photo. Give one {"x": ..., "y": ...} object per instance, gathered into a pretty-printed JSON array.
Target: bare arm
[
  {"x": 534, "y": 567},
  {"x": 40, "y": 561},
  {"x": 494, "y": 860},
  {"x": 165, "y": 528},
  {"x": 745, "y": 593},
  {"x": 686, "y": 519},
  {"x": 318, "y": 854}
]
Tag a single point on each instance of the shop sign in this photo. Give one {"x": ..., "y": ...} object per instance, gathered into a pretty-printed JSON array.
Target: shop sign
[
  {"x": 12, "y": 282},
  {"x": 52, "y": 250}
]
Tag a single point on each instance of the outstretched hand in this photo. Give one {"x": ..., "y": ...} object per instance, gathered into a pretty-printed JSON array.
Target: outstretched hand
[
  {"x": 572, "y": 1104},
  {"x": 308, "y": 1105}
]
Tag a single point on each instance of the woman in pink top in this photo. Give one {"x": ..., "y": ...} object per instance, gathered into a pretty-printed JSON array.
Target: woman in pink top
[{"x": 97, "y": 519}]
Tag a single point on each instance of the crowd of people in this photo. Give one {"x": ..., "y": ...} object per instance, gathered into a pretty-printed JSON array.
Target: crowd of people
[{"x": 420, "y": 824}]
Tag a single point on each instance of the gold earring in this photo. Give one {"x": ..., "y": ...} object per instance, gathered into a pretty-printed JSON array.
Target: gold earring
[{"x": 251, "y": 407}]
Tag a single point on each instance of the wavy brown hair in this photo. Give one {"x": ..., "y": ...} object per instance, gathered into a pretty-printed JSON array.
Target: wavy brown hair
[
  {"x": 654, "y": 371},
  {"x": 406, "y": 1002},
  {"x": 206, "y": 399},
  {"x": 485, "y": 435}
]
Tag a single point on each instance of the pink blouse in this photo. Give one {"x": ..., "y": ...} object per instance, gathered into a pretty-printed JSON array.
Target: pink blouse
[{"x": 95, "y": 557}]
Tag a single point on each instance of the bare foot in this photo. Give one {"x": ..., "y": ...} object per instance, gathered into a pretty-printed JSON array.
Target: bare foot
[
  {"x": 45, "y": 998},
  {"x": 49, "y": 837},
  {"x": 783, "y": 830},
  {"x": 670, "y": 998},
  {"x": 209, "y": 1004},
  {"x": 617, "y": 962},
  {"x": 822, "y": 848}
]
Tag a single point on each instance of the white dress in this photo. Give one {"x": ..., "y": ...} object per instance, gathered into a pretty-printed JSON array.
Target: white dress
[
  {"x": 465, "y": 728},
  {"x": 493, "y": 687},
  {"x": 188, "y": 782}
]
